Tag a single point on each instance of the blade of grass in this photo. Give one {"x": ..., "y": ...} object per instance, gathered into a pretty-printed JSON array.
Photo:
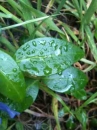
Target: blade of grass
[
  {"x": 23, "y": 23},
  {"x": 70, "y": 32},
  {"x": 61, "y": 4},
  {"x": 55, "y": 111},
  {"x": 11, "y": 15},
  {"x": 16, "y": 6},
  {"x": 7, "y": 44},
  {"x": 50, "y": 4},
  {"x": 91, "y": 42},
  {"x": 92, "y": 8},
  {"x": 88, "y": 101},
  {"x": 48, "y": 22},
  {"x": 27, "y": 15},
  {"x": 3, "y": 15},
  {"x": 39, "y": 3}
]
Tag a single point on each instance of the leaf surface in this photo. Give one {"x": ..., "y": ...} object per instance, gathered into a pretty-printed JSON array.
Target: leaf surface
[
  {"x": 31, "y": 94},
  {"x": 46, "y": 56},
  {"x": 12, "y": 84},
  {"x": 70, "y": 80}
]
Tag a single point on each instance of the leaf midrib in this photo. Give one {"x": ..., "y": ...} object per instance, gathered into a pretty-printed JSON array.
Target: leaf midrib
[{"x": 47, "y": 56}]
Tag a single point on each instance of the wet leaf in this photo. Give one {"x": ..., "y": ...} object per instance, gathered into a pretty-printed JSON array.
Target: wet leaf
[
  {"x": 12, "y": 84},
  {"x": 82, "y": 117},
  {"x": 32, "y": 88},
  {"x": 70, "y": 124},
  {"x": 31, "y": 94},
  {"x": 79, "y": 94},
  {"x": 46, "y": 56},
  {"x": 70, "y": 80}
]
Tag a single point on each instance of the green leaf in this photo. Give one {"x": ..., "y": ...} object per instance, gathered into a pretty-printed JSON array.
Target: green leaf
[
  {"x": 46, "y": 56},
  {"x": 32, "y": 88},
  {"x": 70, "y": 80},
  {"x": 70, "y": 124},
  {"x": 82, "y": 117},
  {"x": 79, "y": 94},
  {"x": 12, "y": 84},
  {"x": 31, "y": 94}
]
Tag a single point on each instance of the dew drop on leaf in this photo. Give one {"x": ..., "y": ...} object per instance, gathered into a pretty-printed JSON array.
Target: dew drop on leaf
[
  {"x": 34, "y": 62},
  {"x": 34, "y": 43},
  {"x": 28, "y": 52},
  {"x": 57, "y": 52},
  {"x": 33, "y": 51},
  {"x": 26, "y": 47},
  {"x": 15, "y": 70},
  {"x": 65, "y": 47},
  {"x": 43, "y": 42},
  {"x": 47, "y": 70},
  {"x": 51, "y": 43},
  {"x": 60, "y": 71},
  {"x": 45, "y": 49},
  {"x": 41, "y": 52}
]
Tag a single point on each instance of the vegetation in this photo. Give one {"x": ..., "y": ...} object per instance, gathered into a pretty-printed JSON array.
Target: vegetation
[{"x": 48, "y": 66}]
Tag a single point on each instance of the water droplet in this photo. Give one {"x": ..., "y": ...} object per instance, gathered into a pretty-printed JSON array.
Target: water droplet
[
  {"x": 41, "y": 52},
  {"x": 51, "y": 43},
  {"x": 57, "y": 52},
  {"x": 65, "y": 47},
  {"x": 56, "y": 87},
  {"x": 27, "y": 45},
  {"x": 34, "y": 62},
  {"x": 70, "y": 76},
  {"x": 34, "y": 43},
  {"x": 28, "y": 52},
  {"x": 45, "y": 49},
  {"x": 59, "y": 70},
  {"x": 19, "y": 52},
  {"x": 35, "y": 70},
  {"x": 47, "y": 70},
  {"x": 33, "y": 51},
  {"x": 62, "y": 76},
  {"x": 15, "y": 70},
  {"x": 56, "y": 47},
  {"x": 43, "y": 42}
]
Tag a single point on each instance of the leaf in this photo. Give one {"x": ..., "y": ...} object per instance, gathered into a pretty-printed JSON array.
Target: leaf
[
  {"x": 12, "y": 84},
  {"x": 70, "y": 124},
  {"x": 32, "y": 88},
  {"x": 69, "y": 80},
  {"x": 79, "y": 94},
  {"x": 31, "y": 94},
  {"x": 82, "y": 117},
  {"x": 46, "y": 56}
]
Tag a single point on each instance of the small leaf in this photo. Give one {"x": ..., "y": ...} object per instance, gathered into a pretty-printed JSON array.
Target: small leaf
[
  {"x": 82, "y": 117},
  {"x": 31, "y": 94},
  {"x": 46, "y": 56},
  {"x": 12, "y": 84},
  {"x": 32, "y": 88},
  {"x": 79, "y": 94},
  {"x": 70, "y": 124},
  {"x": 70, "y": 80}
]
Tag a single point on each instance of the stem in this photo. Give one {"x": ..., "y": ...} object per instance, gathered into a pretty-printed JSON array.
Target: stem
[
  {"x": 50, "y": 92},
  {"x": 87, "y": 61}
]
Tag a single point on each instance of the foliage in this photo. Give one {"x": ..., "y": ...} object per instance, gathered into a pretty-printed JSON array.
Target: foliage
[{"x": 37, "y": 53}]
